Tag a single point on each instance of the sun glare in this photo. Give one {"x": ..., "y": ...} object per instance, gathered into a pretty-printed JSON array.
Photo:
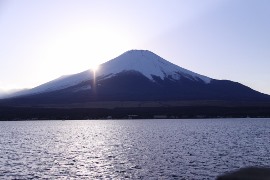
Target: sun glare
[
  {"x": 82, "y": 47},
  {"x": 94, "y": 67}
]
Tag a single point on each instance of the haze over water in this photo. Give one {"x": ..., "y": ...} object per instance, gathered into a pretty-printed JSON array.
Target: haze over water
[{"x": 133, "y": 149}]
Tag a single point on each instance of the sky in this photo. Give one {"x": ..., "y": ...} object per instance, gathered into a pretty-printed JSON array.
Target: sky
[{"x": 222, "y": 39}]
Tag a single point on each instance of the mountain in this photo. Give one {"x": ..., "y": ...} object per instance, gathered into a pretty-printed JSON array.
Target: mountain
[
  {"x": 136, "y": 75},
  {"x": 10, "y": 93}
]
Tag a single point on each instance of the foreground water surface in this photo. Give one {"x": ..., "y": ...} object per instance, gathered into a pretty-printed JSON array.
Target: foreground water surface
[{"x": 132, "y": 149}]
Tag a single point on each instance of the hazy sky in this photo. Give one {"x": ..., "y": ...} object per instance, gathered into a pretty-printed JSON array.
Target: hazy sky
[{"x": 222, "y": 39}]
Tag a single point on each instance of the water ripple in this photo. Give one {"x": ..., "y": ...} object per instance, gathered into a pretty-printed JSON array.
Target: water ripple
[{"x": 137, "y": 149}]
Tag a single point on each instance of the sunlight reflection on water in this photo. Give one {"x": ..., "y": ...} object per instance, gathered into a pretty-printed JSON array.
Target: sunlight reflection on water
[{"x": 132, "y": 149}]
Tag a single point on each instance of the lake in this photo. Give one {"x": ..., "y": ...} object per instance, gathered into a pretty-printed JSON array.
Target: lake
[{"x": 132, "y": 149}]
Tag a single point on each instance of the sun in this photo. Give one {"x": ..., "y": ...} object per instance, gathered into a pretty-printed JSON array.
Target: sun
[
  {"x": 82, "y": 47},
  {"x": 94, "y": 67}
]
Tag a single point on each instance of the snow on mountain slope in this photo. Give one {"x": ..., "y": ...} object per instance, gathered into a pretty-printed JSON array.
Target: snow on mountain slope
[
  {"x": 143, "y": 61},
  {"x": 148, "y": 64},
  {"x": 59, "y": 83}
]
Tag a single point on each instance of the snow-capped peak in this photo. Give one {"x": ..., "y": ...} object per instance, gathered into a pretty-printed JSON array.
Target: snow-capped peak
[
  {"x": 143, "y": 61},
  {"x": 148, "y": 64}
]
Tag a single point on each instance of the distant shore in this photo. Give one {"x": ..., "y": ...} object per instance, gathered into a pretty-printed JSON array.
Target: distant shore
[{"x": 128, "y": 112}]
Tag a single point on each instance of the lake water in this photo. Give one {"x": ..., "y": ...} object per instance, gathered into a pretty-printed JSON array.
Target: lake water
[{"x": 132, "y": 149}]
